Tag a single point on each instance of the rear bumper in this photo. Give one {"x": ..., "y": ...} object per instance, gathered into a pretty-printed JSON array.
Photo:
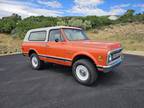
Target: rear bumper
[{"x": 111, "y": 66}]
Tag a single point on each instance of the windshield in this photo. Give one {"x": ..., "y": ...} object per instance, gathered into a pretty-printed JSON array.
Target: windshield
[{"x": 75, "y": 34}]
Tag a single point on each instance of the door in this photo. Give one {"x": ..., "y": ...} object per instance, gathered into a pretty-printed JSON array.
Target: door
[{"x": 55, "y": 50}]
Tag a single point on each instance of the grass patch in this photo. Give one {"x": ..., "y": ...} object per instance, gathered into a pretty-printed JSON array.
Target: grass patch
[
  {"x": 9, "y": 45},
  {"x": 131, "y": 36}
]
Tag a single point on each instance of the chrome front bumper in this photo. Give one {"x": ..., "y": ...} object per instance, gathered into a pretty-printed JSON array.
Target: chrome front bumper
[{"x": 111, "y": 66}]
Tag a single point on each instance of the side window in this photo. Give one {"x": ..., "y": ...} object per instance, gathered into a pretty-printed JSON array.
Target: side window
[
  {"x": 55, "y": 35},
  {"x": 37, "y": 36}
]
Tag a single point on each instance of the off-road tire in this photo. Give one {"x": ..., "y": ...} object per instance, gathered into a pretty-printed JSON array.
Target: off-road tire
[{"x": 87, "y": 65}]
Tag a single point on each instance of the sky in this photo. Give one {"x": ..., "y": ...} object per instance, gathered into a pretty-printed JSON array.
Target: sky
[{"x": 27, "y": 8}]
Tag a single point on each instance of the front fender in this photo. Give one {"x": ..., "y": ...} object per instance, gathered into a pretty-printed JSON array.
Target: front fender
[{"x": 85, "y": 54}]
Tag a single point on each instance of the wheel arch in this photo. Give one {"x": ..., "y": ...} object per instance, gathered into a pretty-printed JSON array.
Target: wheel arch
[
  {"x": 84, "y": 56},
  {"x": 31, "y": 51}
]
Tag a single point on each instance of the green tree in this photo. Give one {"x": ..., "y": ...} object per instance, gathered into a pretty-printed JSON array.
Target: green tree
[
  {"x": 62, "y": 23},
  {"x": 18, "y": 27},
  {"x": 33, "y": 22},
  {"x": 79, "y": 23},
  {"x": 7, "y": 24},
  {"x": 128, "y": 16}
]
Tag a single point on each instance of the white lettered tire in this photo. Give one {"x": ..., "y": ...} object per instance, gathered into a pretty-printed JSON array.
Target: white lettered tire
[
  {"x": 84, "y": 71},
  {"x": 36, "y": 63}
]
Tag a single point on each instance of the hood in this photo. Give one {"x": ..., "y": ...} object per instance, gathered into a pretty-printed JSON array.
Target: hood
[{"x": 95, "y": 44}]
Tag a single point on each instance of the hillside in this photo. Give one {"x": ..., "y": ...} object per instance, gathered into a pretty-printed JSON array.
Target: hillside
[
  {"x": 130, "y": 35},
  {"x": 8, "y": 44}
]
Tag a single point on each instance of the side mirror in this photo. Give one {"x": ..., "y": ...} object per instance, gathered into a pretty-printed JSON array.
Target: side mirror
[{"x": 56, "y": 40}]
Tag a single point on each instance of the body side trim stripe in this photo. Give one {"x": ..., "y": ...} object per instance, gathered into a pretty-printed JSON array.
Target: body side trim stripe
[
  {"x": 58, "y": 58},
  {"x": 52, "y": 57}
]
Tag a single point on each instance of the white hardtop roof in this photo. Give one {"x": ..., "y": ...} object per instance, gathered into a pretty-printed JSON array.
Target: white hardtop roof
[
  {"x": 54, "y": 27},
  {"x": 46, "y": 29}
]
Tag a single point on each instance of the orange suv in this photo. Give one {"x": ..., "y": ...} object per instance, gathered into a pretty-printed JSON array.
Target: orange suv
[{"x": 71, "y": 47}]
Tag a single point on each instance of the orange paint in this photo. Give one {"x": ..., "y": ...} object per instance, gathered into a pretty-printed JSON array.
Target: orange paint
[{"x": 64, "y": 52}]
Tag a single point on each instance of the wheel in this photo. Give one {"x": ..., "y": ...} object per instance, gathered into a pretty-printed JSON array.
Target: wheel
[
  {"x": 84, "y": 71},
  {"x": 36, "y": 62}
]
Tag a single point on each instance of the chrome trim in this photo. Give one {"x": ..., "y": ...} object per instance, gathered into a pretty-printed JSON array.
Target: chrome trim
[
  {"x": 116, "y": 49},
  {"x": 113, "y": 63},
  {"x": 112, "y": 52},
  {"x": 111, "y": 66}
]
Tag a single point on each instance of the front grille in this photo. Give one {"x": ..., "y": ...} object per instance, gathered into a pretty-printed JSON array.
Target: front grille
[{"x": 116, "y": 54}]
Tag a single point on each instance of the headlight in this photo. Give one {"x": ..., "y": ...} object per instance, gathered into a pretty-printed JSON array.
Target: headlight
[{"x": 109, "y": 58}]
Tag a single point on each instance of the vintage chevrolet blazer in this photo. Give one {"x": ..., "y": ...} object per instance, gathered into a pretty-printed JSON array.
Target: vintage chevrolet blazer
[{"x": 71, "y": 47}]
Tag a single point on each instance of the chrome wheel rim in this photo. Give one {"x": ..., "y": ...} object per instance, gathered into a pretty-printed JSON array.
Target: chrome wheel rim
[
  {"x": 82, "y": 72},
  {"x": 34, "y": 61}
]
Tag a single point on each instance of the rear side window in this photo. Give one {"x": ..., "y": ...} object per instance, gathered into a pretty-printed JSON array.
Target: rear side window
[{"x": 37, "y": 36}]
